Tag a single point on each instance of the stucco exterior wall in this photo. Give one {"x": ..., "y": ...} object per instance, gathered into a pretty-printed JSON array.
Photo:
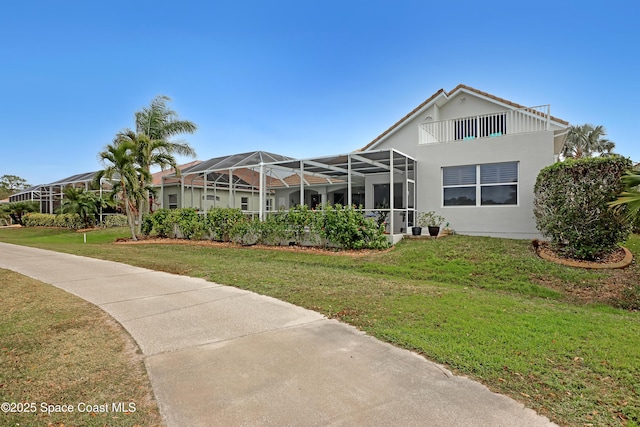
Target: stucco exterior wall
[
  {"x": 194, "y": 199},
  {"x": 532, "y": 151}
]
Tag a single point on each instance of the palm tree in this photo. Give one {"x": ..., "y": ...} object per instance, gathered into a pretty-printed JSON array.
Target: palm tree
[
  {"x": 585, "y": 140},
  {"x": 146, "y": 153},
  {"x": 630, "y": 197},
  {"x": 159, "y": 124},
  {"x": 85, "y": 204},
  {"x": 122, "y": 170}
]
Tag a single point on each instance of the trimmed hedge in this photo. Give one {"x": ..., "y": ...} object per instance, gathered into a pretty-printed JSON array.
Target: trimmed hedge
[
  {"x": 571, "y": 206},
  {"x": 335, "y": 226},
  {"x": 72, "y": 221}
]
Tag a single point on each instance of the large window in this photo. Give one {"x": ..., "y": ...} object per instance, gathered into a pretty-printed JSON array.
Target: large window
[{"x": 480, "y": 185}]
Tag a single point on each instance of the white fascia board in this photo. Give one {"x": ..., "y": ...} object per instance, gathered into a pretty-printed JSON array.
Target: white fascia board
[{"x": 408, "y": 119}]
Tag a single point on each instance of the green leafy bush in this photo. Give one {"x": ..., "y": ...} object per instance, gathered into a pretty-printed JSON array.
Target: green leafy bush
[
  {"x": 160, "y": 222},
  {"x": 571, "y": 206},
  {"x": 220, "y": 221},
  {"x": 300, "y": 223},
  {"x": 72, "y": 221},
  {"x": 337, "y": 226},
  {"x": 348, "y": 228},
  {"x": 274, "y": 229},
  {"x": 110, "y": 221},
  {"x": 190, "y": 224}
]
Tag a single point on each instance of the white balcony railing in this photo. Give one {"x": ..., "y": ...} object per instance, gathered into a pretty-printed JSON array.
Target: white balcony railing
[{"x": 509, "y": 122}]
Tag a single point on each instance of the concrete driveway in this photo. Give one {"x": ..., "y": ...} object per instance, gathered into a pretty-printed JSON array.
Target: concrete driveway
[{"x": 220, "y": 356}]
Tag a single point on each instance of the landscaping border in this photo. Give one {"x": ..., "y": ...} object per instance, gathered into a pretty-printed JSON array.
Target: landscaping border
[{"x": 549, "y": 255}]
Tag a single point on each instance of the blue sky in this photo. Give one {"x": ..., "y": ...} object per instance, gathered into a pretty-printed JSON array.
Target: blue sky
[{"x": 299, "y": 78}]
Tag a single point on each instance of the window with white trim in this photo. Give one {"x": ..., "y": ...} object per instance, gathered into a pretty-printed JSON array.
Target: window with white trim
[
  {"x": 480, "y": 185},
  {"x": 244, "y": 203}
]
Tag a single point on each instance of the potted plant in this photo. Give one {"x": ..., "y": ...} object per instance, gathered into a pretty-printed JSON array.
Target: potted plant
[{"x": 432, "y": 221}]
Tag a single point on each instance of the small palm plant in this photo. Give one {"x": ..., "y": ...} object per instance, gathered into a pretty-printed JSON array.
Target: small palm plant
[
  {"x": 630, "y": 198},
  {"x": 83, "y": 203}
]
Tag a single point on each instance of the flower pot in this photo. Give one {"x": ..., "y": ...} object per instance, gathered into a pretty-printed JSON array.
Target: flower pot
[
  {"x": 433, "y": 231},
  {"x": 416, "y": 231}
]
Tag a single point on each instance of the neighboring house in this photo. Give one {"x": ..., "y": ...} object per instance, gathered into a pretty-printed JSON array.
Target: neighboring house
[
  {"x": 478, "y": 157},
  {"x": 50, "y": 195},
  {"x": 227, "y": 181}
]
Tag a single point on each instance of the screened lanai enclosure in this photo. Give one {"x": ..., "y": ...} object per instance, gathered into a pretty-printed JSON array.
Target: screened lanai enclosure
[
  {"x": 382, "y": 182},
  {"x": 50, "y": 196}
]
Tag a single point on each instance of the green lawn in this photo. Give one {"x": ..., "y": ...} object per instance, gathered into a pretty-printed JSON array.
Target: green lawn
[
  {"x": 59, "y": 352},
  {"x": 561, "y": 340}
]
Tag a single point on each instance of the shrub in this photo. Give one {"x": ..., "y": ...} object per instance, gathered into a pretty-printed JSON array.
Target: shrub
[
  {"x": 300, "y": 222},
  {"x": 345, "y": 227},
  {"x": 190, "y": 224},
  {"x": 274, "y": 230},
  {"x": 160, "y": 222},
  {"x": 570, "y": 206},
  {"x": 246, "y": 231},
  {"x": 348, "y": 228},
  {"x": 72, "y": 221},
  {"x": 110, "y": 221},
  {"x": 219, "y": 222}
]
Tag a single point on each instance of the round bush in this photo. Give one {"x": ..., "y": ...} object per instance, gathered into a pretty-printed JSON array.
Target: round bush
[{"x": 570, "y": 206}]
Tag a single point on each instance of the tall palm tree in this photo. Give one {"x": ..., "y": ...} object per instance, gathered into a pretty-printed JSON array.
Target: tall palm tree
[
  {"x": 160, "y": 124},
  {"x": 122, "y": 170},
  {"x": 585, "y": 140},
  {"x": 146, "y": 153}
]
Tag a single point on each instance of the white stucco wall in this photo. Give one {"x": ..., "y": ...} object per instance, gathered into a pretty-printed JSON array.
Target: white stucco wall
[{"x": 532, "y": 151}]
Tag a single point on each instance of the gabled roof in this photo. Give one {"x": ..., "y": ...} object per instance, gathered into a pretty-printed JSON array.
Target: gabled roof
[{"x": 445, "y": 96}]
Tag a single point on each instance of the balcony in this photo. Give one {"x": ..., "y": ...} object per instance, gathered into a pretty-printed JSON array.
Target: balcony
[{"x": 493, "y": 125}]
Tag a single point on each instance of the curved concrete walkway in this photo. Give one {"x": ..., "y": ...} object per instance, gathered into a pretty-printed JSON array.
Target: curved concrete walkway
[{"x": 220, "y": 356}]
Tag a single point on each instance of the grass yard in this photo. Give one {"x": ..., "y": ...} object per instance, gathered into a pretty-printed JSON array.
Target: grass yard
[
  {"x": 56, "y": 349},
  {"x": 563, "y": 341}
]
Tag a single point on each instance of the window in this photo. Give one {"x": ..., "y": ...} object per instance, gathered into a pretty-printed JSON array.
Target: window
[
  {"x": 244, "y": 203},
  {"x": 499, "y": 184},
  {"x": 269, "y": 204},
  {"x": 173, "y": 201},
  {"x": 480, "y": 185},
  {"x": 459, "y": 183},
  {"x": 212, "y": 197}
]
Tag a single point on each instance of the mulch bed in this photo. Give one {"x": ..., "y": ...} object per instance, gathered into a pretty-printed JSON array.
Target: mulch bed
[
  {"x": 619, "y": 258},
  {"x": 210, "y": 243}
]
